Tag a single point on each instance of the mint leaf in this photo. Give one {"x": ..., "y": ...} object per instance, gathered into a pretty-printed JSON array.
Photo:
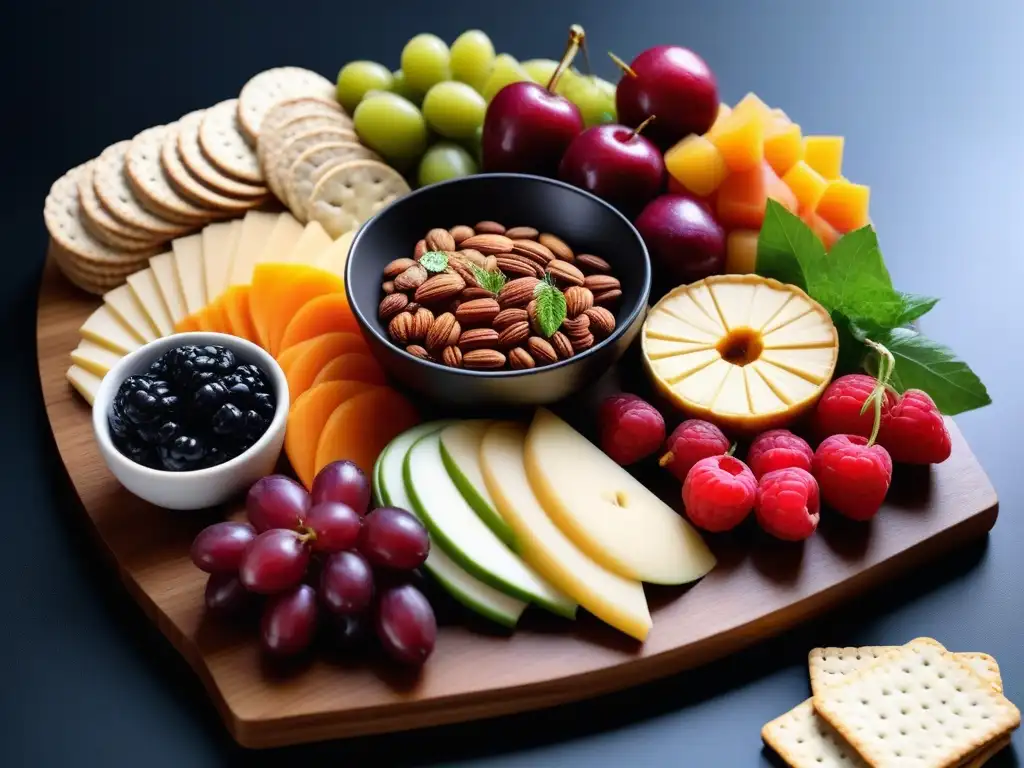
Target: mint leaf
[
  {"x": 925, "y": 364},
  {"x": 914, "y": 306},
  {"x": 489, "y": 281},
  {"x": 787, "y": 249},
  {"x": 551, "y": 308},
  {"x": 434, "y": 261}
]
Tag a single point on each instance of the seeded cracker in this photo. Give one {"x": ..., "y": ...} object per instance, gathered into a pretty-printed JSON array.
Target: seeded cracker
[
  {"x": 267, "y": 88},
  {"x": 804, "y": 740},
  {"x": 310, "y": 166},
  {"x": 98, "y": 221},
  {"x": 917, "y": 705},
  {"x": 351, "y": 193},
  {"x": 282, "y": 160},
  {"x": 222, "y": 142},
  {"x": 291, "y": 109},
  {"x": 195, "y": 161},
  {"x": 150, "y": 183},
  {"x": 191, "y": 187},
  {"x": 272, "y": 140}
]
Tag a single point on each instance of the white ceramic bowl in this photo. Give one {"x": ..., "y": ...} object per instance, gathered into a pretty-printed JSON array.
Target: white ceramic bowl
[{"x": 198, "y": 488}]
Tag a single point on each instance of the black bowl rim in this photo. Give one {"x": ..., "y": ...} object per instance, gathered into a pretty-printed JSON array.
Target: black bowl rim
[{"x": 620, "y": 328}]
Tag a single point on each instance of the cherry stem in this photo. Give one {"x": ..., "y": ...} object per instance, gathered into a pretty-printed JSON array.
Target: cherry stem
[
  {"x": 583, "y": 48},
  {"x": 732, "y": 450},
  {"x": 644, "y": 124},
  {"x": 622, "y": 65},
  {"x": 306, "y": 533},
  {"x": 666, "y": 459},
  {"x": 886, "y": 366},
  {"x": 576, "y": 38}
]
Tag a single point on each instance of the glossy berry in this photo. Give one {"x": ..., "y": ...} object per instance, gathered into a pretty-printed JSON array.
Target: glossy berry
[
  {"x": 788, "y": 504},
  {"x": 188, "y": 367},
  {"x": 289, "y": 621},
  {"x": 394, "y": 538},
  {"x": 345, "y": 482},
  {"x": 853, "y": 476},
  {"x": 691, "y": 441},
  {"x": 719, "y": 493},
  {"x": 219, "y": 548},
  {"x": 276, "y": 501},
  {"x": 275, "y": 561},
  {"x": 226, "y": 596},
  {"x": 335, "y": 525},
  {"x": 778, "y": 449},
  {"x": 914, "y": 432},
  {"x": 839, "y": 410},
  {"x": 631, "y": 428}
]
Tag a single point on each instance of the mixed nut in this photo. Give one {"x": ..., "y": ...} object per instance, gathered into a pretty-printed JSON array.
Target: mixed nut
[{"x": 490, "y": 298}]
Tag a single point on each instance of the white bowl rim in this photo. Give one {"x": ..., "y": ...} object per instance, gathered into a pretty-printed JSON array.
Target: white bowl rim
[{"x": 116, "y": 376}]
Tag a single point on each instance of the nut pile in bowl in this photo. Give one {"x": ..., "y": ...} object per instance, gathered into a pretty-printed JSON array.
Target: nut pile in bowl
[{"x": 490, "y": 298}]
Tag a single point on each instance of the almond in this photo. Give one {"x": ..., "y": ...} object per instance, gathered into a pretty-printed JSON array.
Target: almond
[
  {"x": 400, "y": 327},
  {"x": 542, "y": 350},
  {"x": 412, "y": 278},
  {"x": 522, "y": 233},
  {"x": 421, "y": 322},
  {"x": 576, "y": 326},
  {"x": 452, "y": 357},
  {"x": 517, "y": 266},
  {"x": 472, "y": 292},
  {"x": 534, "y": 251},
  {"x": 565, "y": 273},
  {"x": 472, "y": 255},
  {"x": 577, "y": 300},
  {"x": 439, "y": 239},
  {"x": 388, "y": 286},
  {"x": 601, "y": 283},
  {"x": 483, "y": 359},
  {"x": 438, "y": 288},
  {"x": 460, "y": 232},
  {"x": 478, "y": 338},
  {"x": 417, "y": 351},
  {"x": 488, "y": 244},
  {"x": 517, "y": 293},
  {"x": 584, "y": 342},
  {"x": 490, "y": 264},
  {"x": 514, "y": 334},
  {"x": 444, "y": 332},
  {"x": 520, "y": 359},
  {"x": 531, "y": 315},
  {"x": 477, "y": 312},
  {"x": 489, "y": 228},
  {"x": 506, "y": 317},
  {"x": 562, "y": 345},
  {"x": 607, "y": 297},
  {"x": 392, "y": 305},
  {"x": 602, "y": 322},
  {"x": 419, "y": 250},
  {"x": 397, "y": 267},
  {"x": 588, "y": 262},
  {"x": 556, "y": 245},
  {"x": 461, "y": 268},
  {"x": 454, "y": 304}
]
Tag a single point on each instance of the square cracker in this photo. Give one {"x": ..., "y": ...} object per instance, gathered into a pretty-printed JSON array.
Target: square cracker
[{"x": 917, "y": 705}]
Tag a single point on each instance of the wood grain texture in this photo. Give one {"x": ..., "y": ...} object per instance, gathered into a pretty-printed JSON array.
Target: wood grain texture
[{"x": 759, "y": 588}]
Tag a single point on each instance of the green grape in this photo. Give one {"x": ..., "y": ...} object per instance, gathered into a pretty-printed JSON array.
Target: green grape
[
  {"x": 392, "y": 126},
  {"x": 445, "y": 160},
  {"x": 540, "y": 70},
  {"x": 358, "y": 77},
  {"x": 567, "y": 81},
  {"x": 454, "y": 109},
  {"x": 401, "y": 87},
  {"x": 472, "y": 57},
  {"x": 595, "y": 98},
  {"x": 425, "y": 61},
  {"x": 474, "y": 145},
  {"x": 505, "y": 70}
]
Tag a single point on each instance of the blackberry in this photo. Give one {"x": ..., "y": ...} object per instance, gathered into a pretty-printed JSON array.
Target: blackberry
[{"x": 190, "y": 366}]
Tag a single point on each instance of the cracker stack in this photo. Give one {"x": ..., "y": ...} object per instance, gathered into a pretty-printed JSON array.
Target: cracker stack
[{"x": 887, "y": 706}]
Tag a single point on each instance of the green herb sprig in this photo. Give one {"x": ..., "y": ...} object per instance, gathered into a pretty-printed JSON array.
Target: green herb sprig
[
  {"x": 551, "y": 307},
  {"x": 489, "y": 280}
]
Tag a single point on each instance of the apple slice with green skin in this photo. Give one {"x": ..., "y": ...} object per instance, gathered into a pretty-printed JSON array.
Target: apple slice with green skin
[
  {"x": 455, "y": 526},
  {"x": 389, "y": 490},
  {"x": 460, "y": 452}
]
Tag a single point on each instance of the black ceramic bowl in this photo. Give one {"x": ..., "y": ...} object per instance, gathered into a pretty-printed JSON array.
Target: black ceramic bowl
[{"x": 586, "y": 222}]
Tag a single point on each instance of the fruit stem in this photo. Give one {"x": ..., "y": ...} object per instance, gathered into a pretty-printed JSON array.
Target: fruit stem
[
  {"x": 622, "y": 65},
  {"x": 576, "y": 37},
  {"x": 583, "y": 48},
  {"x": 732, "y": 449},
  {"x": 306, "y": 533},
  {"x": 644, "y": 124},
  {"x": 666, "y": 459},
  {"x": 886, "y": 366}
]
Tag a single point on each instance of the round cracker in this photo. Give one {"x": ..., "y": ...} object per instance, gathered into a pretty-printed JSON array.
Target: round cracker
[
  {"x": 310, "y": 166},
  {"x": 98, "y": 221},
  {"x": 352, "y": 192},
  {"x": 280, "y": 161},
  {"x": 285, "y": 111},
  {"x": 272, "y": 140},
  {"x": 197, "y": 164},
  {"x": 150, "y": 183},
  {"x": 190, "y": 187},
  {"x": 111, "y": 184},
  {"x": 271, "y": 86},
  {"x": 222, "y": 142},
  {"x": 98, "y": 282}
]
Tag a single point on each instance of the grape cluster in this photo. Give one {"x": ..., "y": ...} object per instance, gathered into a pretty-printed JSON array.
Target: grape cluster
[{"x": 321, "y": 558}]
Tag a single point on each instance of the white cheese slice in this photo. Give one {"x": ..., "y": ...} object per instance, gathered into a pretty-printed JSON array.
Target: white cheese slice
[
  {"x": 335, "y": 257},
  {"x": 103, "y": 327},
  {"x": 143, "y": 284},
  {"x": 661, "y": 325},
  {"x": 794, "y": 309},
  {"x": 219, "y": 241},
  {"x": 167, "y": 281},
  {"x": 659, "y": 348},
  {"x": 786, "y": 385},
  {"x": 85, "y": 383},
  {"x": 685, "y": 308},
  {"x": 94, "y": 358},
  {"x": 256, "y": 229},
  {"x": 762, "y": 399},
  {"x": 129, "y": 311},
  {"x": 732, "y": 397},
  {"x": 283, "y": 237},
  {"x": 188, "y": 267},
  {"x": 701, "y": 295},
  {"x": 312, "y": 243},
  {"x": 814, "y": 363},
  {"x": 702, "y": 386},
  {"x": 810, "y": 330},
  {"x": 673, "y": 369},
  {"x": 765, "y": 305}
]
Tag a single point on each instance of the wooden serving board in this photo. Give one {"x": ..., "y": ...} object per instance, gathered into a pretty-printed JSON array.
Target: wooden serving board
[{"x": 759, "y": 588}]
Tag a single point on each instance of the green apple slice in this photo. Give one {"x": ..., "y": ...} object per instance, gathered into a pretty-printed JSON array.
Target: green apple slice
[
  {"x": 389, "y": 490},
  {"x": 463, "y": 535},
  {"x": 460, "y": 452}
]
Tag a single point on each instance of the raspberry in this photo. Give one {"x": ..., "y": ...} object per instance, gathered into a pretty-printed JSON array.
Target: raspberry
[
  {"x": 778, "y": 449},
  {"x": 787, "y": 503},
  {"x": 839, "y": 410},
  {"x": 719, "y": 493},
  {"x": 914, "y": 432},
  {"x": 854, "y": 476},
  {"x": 631, "y": 428},
  {"x": 691, "y": 441}
]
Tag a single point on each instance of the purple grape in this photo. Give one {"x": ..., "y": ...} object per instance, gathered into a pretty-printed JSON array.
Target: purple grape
[
  {"x": 225, "y": 594},
  {"x": 289, "y": 621},
  {"x": 405, "y": 624},
  {"x": 275, "y": 561},
  {"x": 394, "y": 538},
  {"x": 346, "y": 584},
  {"x": 335, "y": 524},
  {"x": 276, "y": 501},
  {"x": 345, "y": 482},
  {"x": 219, "y": 548}
]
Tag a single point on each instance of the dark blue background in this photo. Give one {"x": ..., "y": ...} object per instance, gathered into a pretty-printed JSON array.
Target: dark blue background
[{"x": 928, "y": 95}]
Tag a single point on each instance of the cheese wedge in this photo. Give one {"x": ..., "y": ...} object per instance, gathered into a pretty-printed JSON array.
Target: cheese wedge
[
  {"x": 188, "y": 268},
  {"x": 252, "y": 239},
  {"x": 143, "y": 284},
  {"x": 85, "y": 383},
  {"x": 283, "y": 237},
  {"x": 615, "y": 600},
  {"x": 129, "y": 311},
  {"x": 310, "y": 245},
  {"x": 812, "y": 363},
  {"x": 219, "y": 241},
  {"x": 608, "y": 513},
  {"x": 335, "y": 257},
  {"x": 808, "y": 330},
  {"x": 167, "y": 281},
  {"x": 94, "y": 358},
  {"x": 103, "y": 327}
]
